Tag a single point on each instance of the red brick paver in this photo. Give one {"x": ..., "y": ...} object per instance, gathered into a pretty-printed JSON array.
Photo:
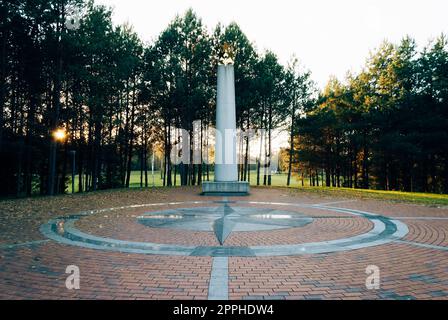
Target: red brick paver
[{"x": 37, "y": 270}]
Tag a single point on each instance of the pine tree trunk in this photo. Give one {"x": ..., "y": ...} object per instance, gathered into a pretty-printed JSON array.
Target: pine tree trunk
[
  {"x": 291, "y": 143},
  {"x": 259, "y": 159},
  {"x": 146, "y": 160},
  {"x": 56, "y": 103},
  {"x": 4, "y": 35},
  {"x": 169, "y": 181},
  {"x": 142, "y": 167},
  {"x": 246, "y": 153}
]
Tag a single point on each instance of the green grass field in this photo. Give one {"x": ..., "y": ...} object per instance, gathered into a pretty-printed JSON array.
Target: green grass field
[
  {"x": 430, "y": 199},
  {"x": 279, "y": 180}
]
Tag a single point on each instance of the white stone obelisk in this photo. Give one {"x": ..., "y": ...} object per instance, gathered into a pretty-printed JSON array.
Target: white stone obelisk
[
  {"x": 226, "y": 165},
  {"x": 226, "y": 169}
]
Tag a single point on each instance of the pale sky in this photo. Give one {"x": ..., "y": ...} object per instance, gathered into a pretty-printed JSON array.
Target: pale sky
[{"x": 330, "y": 37}]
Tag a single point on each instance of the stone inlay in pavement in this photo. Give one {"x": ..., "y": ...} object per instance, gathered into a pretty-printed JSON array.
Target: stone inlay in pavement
[
  {"x": 230, "y": 217},
  {"x": 271, "y": 262},
  {"x": 224, "y": 219}
]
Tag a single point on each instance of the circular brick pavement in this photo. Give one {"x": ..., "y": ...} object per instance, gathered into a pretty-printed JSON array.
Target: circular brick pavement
[
  {"x": 33, "y": 266},
  {"x": 225, "y": 219}
]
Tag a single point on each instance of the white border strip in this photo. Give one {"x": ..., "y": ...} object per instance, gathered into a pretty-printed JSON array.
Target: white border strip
[{"x": 218, "y": 288}]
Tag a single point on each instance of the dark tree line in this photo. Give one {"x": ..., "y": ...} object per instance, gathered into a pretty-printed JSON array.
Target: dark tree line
[
  {"x": 386, "y": 127},
  {"x": 119, "y": 102}
]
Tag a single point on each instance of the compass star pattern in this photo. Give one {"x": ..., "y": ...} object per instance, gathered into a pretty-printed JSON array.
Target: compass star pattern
[
  {"x": 221, "y": 218},
  {"x": 224, "y": 220}
]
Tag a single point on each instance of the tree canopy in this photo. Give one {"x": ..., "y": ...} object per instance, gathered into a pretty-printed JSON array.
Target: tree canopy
[{"x": 65, "y": 66}]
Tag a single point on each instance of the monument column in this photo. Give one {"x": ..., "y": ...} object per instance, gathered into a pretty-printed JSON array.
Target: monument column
[
  {"x": 226, "y": 169},
  {"x": 226, "y": 165}
]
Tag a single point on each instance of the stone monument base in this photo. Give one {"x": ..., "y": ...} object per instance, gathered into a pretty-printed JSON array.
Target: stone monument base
[{"x": 237, "y": 188}]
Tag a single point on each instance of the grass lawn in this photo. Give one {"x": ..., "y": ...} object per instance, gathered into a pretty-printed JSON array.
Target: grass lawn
[
  {"x": 430, "y": 199},
  {"x": 279, "y": 180}
]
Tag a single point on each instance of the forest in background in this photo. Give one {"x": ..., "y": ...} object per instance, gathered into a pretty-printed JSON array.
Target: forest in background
[
  {"x": 119, "y": 101},
  {"x": 384, "y": 128}
]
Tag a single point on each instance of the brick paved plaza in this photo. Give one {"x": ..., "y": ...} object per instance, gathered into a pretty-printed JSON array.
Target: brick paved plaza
[{"x": 166, "y": 244}]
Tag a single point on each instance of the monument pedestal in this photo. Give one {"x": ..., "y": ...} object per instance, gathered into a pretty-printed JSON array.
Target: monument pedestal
[{"x": 232, "y": 188}]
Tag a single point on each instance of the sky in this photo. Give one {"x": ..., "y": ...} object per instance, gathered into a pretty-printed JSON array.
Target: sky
[{"x": 329, "y": 37}]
